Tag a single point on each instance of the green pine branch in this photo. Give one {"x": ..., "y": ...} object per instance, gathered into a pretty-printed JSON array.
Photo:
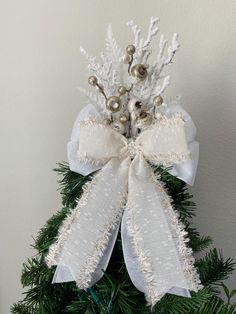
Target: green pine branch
[
  {"x": 48, "y": 232},
  {"x": 213, "y": 268},
  {"x": 71, "y": 184},
  {"x": 21, "y": 308},
  {"x": 214, "y": 306},
  {"x": 115, "y": 293},
  {"x": 177, "y": 189},
  {"x": 197, "y": 242},
  {"x": 172, "y": 304}
]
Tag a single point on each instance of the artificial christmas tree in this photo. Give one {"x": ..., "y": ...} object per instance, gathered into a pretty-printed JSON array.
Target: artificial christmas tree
[{"x": 125, "y": 233}]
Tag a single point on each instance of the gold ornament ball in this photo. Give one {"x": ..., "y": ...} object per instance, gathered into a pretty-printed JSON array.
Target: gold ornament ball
[
  {"x": 139, "y": 71},
  {"x": 158, "y": 100},
  {"x": 130, "y": 49},
  {"x": 121, "y": 90},
  {"x": 126, "y": 58},
  {"x": 123, "y": 118},
  {"x": 113, "y": 103},
  {"x": 92, "y": 80}
]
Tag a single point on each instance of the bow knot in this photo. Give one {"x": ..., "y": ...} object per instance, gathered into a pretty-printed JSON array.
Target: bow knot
[{"x": 132, "y": 148}]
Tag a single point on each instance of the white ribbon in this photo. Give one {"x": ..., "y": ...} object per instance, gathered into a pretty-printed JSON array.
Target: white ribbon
[{"x": 154, "y": 241}]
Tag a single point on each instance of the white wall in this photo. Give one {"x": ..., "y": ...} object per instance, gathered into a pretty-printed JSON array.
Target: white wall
[{"x": 40, "y": 68}]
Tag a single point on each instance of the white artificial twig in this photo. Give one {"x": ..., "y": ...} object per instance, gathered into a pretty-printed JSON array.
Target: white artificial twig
[
  {"x": 162, "y": 60},
  {"x": 159, "y": 89},
  {"x": 162, "y": 46},
  {"x": 94, "y": 96},
  {"x": 142, "y": 46},
  {"x": 172, "y": 49},
  {"x": 107, "y": 73},
  {"x": 93, "y": 66},
  {"x": 112, "y": 50},
  {"x": 136, "y": 31},
  {"x": 152, "y": 31}
]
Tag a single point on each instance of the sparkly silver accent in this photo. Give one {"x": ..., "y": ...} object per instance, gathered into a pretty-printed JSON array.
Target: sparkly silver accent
[{"x": 132, "y": 150}]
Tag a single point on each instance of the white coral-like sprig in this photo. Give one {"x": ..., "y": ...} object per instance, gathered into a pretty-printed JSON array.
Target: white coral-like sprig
[
  {"x": 143, "y": 50},
  {"x": 110, "y": 71}
]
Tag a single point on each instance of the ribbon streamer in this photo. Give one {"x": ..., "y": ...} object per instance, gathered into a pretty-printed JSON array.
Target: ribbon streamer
[{"x": 125, "y": 189}]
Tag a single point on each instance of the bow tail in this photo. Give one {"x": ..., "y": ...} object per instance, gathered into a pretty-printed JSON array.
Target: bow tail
[
  {"x": 154, "y": 243},
  {"x": 87, "y": 236}
]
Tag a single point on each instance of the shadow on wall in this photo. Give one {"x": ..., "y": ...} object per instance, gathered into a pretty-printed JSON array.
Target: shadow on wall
[{"x": 213, "y": 108}]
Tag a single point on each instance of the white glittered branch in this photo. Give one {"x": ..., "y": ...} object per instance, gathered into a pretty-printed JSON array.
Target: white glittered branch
[
  {"x": 162, "y": 46},
  {"x": 142, "y": 46},
  {"x": 113, "y": 52},
  {"x": 159, "y": 89},
  {"x": 93, "y": 65},
  {"x": 163, "y": 60},
  {"x": 93, "y": 96},
  {"x": 152, "y": 31},
  {"x": 172, "y": 49},
  {"x": 136, "y": 31},
  {"x": 107, "y": 72}
]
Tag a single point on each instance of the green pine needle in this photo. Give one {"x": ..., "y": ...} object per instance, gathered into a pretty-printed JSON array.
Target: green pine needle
[{"x": 213, "y": 268}]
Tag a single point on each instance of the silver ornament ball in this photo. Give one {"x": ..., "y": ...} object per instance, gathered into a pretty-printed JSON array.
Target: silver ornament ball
[
  {"x": 123, "y": 118},
  {"x": 130, "y": 49},
  {"x": 126, "y": 58},
  {"x": 158, "y": 100},
  {"x": 93, "y": 80},
  {"x": 139, "y": 71},
  {"x": 113, "y": 103},
  {"x": 121, "y": 90}
]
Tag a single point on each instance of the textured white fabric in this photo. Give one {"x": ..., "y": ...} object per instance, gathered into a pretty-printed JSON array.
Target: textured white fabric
[
  {"x": 88, "y": 111},
  {"x": 94, "y": 225},
  {"x": 186, "y": 171},
  {"x": 153, "y": 239},
  {"x": 155, "y": 236}
]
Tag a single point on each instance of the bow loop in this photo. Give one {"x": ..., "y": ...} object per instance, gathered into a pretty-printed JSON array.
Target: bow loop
[
  {"x": 99, "y": 143},
  {"x": 164, "y": 142}
]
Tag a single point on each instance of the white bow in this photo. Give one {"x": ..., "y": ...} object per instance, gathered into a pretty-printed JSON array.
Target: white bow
[{"x": 153, "y": 239}]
